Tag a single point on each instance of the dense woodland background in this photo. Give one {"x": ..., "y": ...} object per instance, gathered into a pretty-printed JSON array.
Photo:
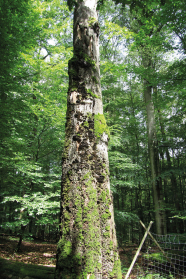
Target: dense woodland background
[{"x": 143, "y": 41}]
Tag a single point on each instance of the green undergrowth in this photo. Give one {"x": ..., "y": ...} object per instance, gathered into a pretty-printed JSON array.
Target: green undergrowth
[
  {"x": 156, "y": 276},
  {"x": 156, "y": 256}
]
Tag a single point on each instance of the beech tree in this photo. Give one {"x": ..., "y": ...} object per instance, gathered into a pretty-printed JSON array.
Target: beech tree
[
  {"x": 88, "y": 246},
  {"x": 33, "y": 83},
  {"x": 148, "y": 39},
  {"x": 148, "y": 50}
]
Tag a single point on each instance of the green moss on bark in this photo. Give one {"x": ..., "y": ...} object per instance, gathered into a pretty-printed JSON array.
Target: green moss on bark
[
  {"x": 92, "y": 21},
  {"x": 100, "y": 125},
  {"x": 94, "y": 79},
  {"x": 86, "y": 124},
  {"x": 66, "y": 148},
  {"x": 116, "y": 271},
  {"x": 92, "y": 235},
  {"x": 92, "y": 94},
  {"x": 87, "y": 176}
]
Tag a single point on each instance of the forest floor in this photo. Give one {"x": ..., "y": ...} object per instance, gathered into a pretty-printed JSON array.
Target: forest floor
[
  {"x": 127, "y": 253},
  {"x": 31, "y": 252},
  {"x": 44, "y": 253}
]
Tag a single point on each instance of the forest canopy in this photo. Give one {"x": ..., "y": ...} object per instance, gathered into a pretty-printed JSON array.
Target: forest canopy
[{"x": 142, "y": 55}]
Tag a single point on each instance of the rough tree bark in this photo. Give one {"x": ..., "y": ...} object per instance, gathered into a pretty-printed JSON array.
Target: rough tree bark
[{"x": 88, "y": 246}]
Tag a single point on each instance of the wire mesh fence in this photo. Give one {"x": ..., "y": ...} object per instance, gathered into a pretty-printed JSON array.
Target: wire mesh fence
[{"x": 168, "y": 263}]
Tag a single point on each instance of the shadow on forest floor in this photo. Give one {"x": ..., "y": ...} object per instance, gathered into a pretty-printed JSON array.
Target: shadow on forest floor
[
  {"x": 37, "y": 259},
  {"x": 31, "y": 252},
  {"x": 14, "y": 270}
]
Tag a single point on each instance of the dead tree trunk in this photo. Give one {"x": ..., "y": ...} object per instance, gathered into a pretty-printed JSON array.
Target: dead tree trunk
[{"x": 88, "y": 246}]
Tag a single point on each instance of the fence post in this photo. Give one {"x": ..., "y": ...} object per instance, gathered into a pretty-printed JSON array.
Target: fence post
[
  {"x": 138, "y": 251},
  {"x": 158, "y": 245}
]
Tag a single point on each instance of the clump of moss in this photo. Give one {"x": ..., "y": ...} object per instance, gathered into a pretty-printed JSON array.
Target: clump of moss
[
  {"x": 116, "y": 271},
  {"x": 103, "y": 196},
  {"x": 92, "y": 21},
  {"x": 86, "y": 124},
  {"x": 92, "y": 94},
  {"x": 94, "y": 79},
  {"x": 100, "y": 125},
  {"x": 66, "y": 148},
  {"x": 64, "y": 256},
  {"x": 107, "y": 228},
  {"x": 105, "y": 216},
  {"x": 73, "y": 89},
  {"x": 66, "y": 246},
  {"x": 90, "y": 62},
  {"x": 66, "y": 188},
  {"x": 87, "y": 176},
  {"x": 89, "y": 115}
]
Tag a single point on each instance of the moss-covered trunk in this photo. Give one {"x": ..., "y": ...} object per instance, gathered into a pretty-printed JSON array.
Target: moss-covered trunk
[{"x": 88, "y": 246}]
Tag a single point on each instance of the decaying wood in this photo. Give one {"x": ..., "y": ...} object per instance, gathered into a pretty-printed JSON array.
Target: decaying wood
[{"x": 88, "y": 246}]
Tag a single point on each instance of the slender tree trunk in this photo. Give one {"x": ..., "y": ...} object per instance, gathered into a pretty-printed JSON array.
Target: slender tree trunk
[
  {"x": 20, "y": 238},
  {"x": 88, "y": 246},
  {"x": 174, "y": 185},
  {"x": 153, "y": 155}
]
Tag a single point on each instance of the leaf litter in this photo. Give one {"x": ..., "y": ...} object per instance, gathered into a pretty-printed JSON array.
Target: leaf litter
[{"x": 31, "y": 252}]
